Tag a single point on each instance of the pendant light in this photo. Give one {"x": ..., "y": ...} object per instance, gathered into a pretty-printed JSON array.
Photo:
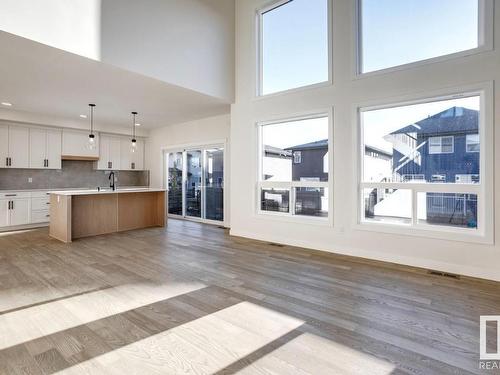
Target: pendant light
[
  {"x": 91, "y": 144},
  {"x": 133, "y": 146}
]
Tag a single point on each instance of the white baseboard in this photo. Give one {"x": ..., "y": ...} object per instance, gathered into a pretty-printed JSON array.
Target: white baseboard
[{"x": 377, "y": 255}]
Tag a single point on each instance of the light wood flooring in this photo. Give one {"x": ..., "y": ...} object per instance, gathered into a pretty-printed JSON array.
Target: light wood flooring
[{"x": 190, "y": 299}]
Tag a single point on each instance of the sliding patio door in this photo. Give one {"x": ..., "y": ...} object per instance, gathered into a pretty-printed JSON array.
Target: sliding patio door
[{"x": 196, "y": 183}]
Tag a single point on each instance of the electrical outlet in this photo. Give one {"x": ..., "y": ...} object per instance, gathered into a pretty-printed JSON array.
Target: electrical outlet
[{"x": 30, "y": 180}]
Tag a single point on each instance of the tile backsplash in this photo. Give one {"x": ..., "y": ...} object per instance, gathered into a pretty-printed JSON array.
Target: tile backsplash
[{"x": 74, "y": 174}]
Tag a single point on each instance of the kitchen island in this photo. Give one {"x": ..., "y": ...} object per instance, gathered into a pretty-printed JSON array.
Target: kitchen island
[{"x": 83, "y": 213}]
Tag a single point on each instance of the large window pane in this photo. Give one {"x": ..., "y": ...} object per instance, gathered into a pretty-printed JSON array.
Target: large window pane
[
  {"x": 277, "y": 200},
  {"x": 295, "y": 150},
  {"x": 311, "y": 202},
  {"x": 214, "y": 184},
  {"x": 175, "y": 183},
  {"x": 392, "y": 206},
  {"x": 294, "y": 45},
  {"x": 193, "y": 184},
  {"x": 429, "y": 142},
  {"x": 396, "y": 32},
  {"x": 448, "y": 209}
]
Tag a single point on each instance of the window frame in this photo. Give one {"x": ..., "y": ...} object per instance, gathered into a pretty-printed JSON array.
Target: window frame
[
  {"x": 484, "y": 189},
  {"x": 441, "y": 145},
  {"x": 259, "y": 68},
  {"x": 485, "y": 42},
  {"x": 467, "y": 143},
  {"x": 291, "y": 185}
]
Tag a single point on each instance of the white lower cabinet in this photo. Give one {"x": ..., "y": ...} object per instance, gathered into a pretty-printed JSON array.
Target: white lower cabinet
[
  {"x": 23, "y": 208},
  {"x": 15, "y": 209},
  {"x": 20, "y": 211}
]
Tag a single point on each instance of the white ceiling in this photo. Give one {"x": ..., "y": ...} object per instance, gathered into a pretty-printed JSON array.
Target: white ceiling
[{"x": 50, "y": 83}]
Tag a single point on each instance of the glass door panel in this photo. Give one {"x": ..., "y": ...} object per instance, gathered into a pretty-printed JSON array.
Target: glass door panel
[
  {"x": 192, "y": 201},
  {"x": 214, "y": 184},
  {"x": 175, "y": 167}
]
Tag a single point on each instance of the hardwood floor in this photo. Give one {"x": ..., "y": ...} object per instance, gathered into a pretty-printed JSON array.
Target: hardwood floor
[{"x": 191, "y": 299}]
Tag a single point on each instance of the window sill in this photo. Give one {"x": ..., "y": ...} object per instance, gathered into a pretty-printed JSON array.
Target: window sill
[
  {"x": 428, "y": 231},
  {"x": 259, "y": 97},
  {"x": 421, "y": 63}
]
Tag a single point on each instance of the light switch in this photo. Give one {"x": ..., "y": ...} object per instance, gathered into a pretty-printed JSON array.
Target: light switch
[{"x": 30, "y": 180}]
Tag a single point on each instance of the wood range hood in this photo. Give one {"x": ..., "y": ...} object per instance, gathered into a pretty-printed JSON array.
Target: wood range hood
[{"x": 78, "y": 157}]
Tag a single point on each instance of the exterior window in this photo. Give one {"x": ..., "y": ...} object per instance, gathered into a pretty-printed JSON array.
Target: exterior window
[
  {"x": 412, "y": 152},
  {"x": 293, "y": 46},
  {"x": 441, "y": 145},
  {"x": 297, "y": 157},
  {"x": 472, "y": 143},
  {"x": 395, "y": 32},
  {"x": 293, "y": 178}
]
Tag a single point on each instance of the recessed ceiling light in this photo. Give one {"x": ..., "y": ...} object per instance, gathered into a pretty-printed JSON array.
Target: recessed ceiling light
[
  {"x": 83, "y": 116},
  {"x": 137, "y": 124},
  {"x": 7, "y": 104}
]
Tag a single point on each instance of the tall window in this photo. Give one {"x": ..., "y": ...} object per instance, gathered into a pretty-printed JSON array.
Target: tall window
[
  {"x": 293, "y": 45},
  {"x": 423, "y": 173},
  {"x": 396, "y": 32},
  {"x": 294, "y": 167}
]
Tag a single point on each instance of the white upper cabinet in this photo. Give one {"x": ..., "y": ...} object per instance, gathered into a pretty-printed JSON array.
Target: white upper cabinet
[
  {"x": 14, "y": 146},
  {"x": 74, "y": 145},
  {"x": 109, "y": 157},
  {"x": 4, "y": 146},
  {"x": 131, "y": 161},
  {"x": 54, "y": 149},
  {"x": 45, "y": 148}
]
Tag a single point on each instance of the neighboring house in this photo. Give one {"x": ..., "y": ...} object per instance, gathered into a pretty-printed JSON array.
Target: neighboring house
[
  {"x": 443, "y": 148},
  {"x": 440, "y": 148},
  {"x": 310, "y": 161}
]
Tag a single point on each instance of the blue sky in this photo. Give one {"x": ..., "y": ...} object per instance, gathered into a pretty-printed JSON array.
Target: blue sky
[
  {"x": 394, "y": 32},
  {"x": 295, "y": 53}
]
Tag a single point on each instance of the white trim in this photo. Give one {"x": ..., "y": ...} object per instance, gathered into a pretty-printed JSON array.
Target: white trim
[
  {"x": 257, "y": 94},
  {"x": 423, "y": 263},
  {"x": 182, "y": 148},
  {"x": 290, "y": 185},
  {"x": 484, "y": 190},
  {"x": 485, "y": 43}
]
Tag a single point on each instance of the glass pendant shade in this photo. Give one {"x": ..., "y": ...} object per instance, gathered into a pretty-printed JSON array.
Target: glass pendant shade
[
  {"x": 133, "y": 143},
  {"x": 91, "y": 143}
]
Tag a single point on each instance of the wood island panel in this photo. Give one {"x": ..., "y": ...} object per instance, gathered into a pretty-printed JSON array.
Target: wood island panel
[
  {"x": 60, "y": 217},
  {"x": 141, "y": 210},
  {"x": 94, "y": 215},
  {"x": 84, "y": 215}
]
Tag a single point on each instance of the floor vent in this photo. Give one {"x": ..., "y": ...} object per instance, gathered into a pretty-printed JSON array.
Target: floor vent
[
  {"x": 276, "y": 244},
  {"x": 444, "y": 274}
]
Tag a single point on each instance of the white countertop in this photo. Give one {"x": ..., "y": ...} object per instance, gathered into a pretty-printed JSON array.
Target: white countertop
[
  {"x": 95, "y": 191},
  {"x": 63, "y": 189}
]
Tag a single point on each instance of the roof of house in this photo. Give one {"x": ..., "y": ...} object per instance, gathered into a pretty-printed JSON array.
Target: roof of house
[
  {"x": 311, "y": 145},
  {"x": 450, "y": 121},
  {"x": 271, "y": 150}
]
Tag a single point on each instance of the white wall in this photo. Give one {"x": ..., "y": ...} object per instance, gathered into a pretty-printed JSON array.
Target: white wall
[
  {"x": 73, "y": 25},
  {"x": 459, "y": 257},
  {"x": 189, "y": 43},
  {"x": 199, "y": 132}
]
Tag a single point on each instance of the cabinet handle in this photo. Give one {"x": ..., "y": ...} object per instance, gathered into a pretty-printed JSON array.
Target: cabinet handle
[
  {"x": 10, "y": 165},
  {"x": 47, "y": 215},
  {"x": 7, "y": 161},
  {"x": 109, "y": 164},
  {"x": 133, "y": 165},
  {"x": 47, "y": 202},
  {"x": 11, "y": 195},
  {"x": 47, "y": 163}
]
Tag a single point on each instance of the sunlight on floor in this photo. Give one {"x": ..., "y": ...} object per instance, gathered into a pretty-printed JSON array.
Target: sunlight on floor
[
  {"x": 37, "y": 321},
  {"x": 202, "y": 346},
  {"x": 14, "y": 232},
  {"x": 312, "y": 354}
]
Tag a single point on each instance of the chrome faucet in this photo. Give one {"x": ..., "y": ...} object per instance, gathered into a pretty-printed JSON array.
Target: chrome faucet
[{"x": 112, "y": 180}]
